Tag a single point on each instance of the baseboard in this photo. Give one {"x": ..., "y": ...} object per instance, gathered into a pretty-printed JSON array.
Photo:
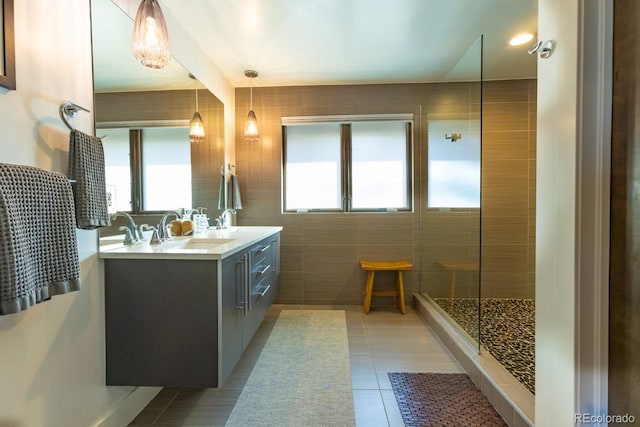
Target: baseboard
[
  {"x": 511, "y": 399},
  {"x": 130, "y": 406}
]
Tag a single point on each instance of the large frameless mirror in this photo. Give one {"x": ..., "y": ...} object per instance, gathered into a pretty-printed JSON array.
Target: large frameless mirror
[{"x": 151, "y": 166}]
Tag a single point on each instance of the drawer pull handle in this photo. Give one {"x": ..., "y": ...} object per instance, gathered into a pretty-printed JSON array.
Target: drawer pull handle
[
  {"x": 265, "y": 290},
  {"x": 264, "y": 270},
  {"x": 264, "y": 248}
]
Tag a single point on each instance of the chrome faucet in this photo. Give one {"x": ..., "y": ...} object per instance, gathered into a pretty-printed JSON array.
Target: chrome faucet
[
  {"x": 142, "y": 228},
  {"x": 163, "y": 233},
  {"x": 222, "y": 222},
  {"x": 128, "y": 239},
  {"x": 133, "y": 235}
]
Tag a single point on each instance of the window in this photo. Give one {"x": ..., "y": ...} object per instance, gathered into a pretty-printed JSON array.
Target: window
[
  {"x": 147, "y": 169},
  {"x": 453, "y": 170},
  {"x": 340, "y": 165},
  {"x": 313, "y": 173}
]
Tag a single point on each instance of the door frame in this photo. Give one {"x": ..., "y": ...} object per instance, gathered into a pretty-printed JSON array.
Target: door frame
[{"x": 572, "y": 210}]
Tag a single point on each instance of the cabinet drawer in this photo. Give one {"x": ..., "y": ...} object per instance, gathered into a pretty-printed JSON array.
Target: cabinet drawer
[
  {"x": 261, "y": 251},
  {"x": 262, "y": 262},
  {"x": 260, "y": 269}
]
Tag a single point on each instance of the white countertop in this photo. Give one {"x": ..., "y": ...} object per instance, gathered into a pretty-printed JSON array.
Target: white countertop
[{"x": 215, "y": 244}]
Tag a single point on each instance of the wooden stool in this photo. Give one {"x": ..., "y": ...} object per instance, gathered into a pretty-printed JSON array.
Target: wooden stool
[
  {"x": 372, "y": 267},
  {"x": 454, "y": 266}
]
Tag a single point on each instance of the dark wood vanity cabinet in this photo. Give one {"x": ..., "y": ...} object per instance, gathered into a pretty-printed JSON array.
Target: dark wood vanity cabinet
[
  {"x": 185, "y": 323},
  {"x": 249, "y": 287}
]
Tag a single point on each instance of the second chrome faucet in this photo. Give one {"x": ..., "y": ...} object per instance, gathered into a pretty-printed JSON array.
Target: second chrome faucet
[{"x": 224, "y": 220}]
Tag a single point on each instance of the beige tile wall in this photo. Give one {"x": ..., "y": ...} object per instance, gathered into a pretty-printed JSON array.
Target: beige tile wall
[
  {"x": 320, "y": 252},
  {"x": 508, "y": 189}
]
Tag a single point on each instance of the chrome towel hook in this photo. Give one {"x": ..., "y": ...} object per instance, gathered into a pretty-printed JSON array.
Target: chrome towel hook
[
  {"x": 544, "y": 48},
  {"x": 453, "y": 136}
]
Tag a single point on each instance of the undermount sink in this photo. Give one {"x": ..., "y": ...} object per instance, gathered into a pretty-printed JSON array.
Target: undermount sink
[
  {"x": 205, "y": 242},
  {"x": 111, "y": 240}
]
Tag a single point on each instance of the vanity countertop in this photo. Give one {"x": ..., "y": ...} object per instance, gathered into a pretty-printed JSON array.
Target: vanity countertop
[{"x": 214, "y": 244}]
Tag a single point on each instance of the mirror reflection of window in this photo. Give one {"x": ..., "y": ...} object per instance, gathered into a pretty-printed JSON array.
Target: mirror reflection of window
[
  {"x": 117, "y": 169},
  {"x": 453, "y": 179},
  {"x": 162, "y": 170},
  {"x": 166, "y": 169}
]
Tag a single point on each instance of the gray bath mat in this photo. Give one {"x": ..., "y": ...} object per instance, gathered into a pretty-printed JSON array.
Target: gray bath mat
[{"x": 434, "y": 399}]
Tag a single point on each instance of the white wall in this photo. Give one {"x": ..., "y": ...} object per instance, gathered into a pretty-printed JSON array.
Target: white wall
[
  {"x": 52, "y": 355},
  {"x": 573, "y": 134},
  {"x": 555, "y": 214}
]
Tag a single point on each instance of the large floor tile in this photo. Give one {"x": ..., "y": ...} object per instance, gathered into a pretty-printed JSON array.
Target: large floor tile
[{"x": 380, "y": 342}]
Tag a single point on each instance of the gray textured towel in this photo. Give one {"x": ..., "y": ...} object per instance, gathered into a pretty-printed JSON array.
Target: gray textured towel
[
  {"x": 38, "y": 244},
  {"x": 222, "y": 203},
  {"x": 234, "y": 193},
  {"x": 86, "y": 167}
]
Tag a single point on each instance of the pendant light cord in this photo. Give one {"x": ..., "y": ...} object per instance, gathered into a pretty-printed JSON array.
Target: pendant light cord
[
  {"x": 196, "y": 99},
  {"x": 251, "y": 95}
]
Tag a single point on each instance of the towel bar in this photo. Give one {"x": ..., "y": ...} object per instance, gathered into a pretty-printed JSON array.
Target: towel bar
[{"x": 69, "y": 109}]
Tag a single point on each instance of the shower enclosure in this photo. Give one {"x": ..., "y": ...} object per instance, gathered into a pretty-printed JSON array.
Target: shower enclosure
[{"x": 477, "y": 210}]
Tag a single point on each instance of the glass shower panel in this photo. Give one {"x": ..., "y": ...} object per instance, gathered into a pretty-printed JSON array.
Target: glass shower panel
[{"x": 450, "y": 182}]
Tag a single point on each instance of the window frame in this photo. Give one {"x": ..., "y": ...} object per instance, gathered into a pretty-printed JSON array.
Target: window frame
[{"x": 346, "y": 159}]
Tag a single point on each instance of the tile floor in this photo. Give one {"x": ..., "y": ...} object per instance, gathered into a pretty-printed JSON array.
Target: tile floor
[{"x": 380, "y": 342}]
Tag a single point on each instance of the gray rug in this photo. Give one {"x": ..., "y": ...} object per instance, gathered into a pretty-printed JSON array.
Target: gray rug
[{"x": 302, "y": 377}]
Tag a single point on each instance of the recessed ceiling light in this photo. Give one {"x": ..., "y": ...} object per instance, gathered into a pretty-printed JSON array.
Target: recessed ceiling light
[{"x": 520, "y": 39}]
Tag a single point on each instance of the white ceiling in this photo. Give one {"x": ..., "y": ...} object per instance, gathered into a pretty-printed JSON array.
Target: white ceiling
[{"x": 294, "y": 42}]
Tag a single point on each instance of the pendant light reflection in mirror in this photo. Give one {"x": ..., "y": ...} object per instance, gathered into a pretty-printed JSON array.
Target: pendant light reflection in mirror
[
  {"x": 251, "y": 133},
  {"x": 150, "y": 36},
  {"x": 196, "y": 127}
]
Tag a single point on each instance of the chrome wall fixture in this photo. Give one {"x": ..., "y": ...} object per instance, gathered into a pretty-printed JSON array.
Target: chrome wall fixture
[
  {"x": 453, "y": 136},
  {"x": 251, "y": 133},
  {"x": 543, "y": 48}
]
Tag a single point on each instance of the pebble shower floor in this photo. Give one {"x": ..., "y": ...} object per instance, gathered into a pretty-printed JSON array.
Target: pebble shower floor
[{"x": 507, "y": 331}]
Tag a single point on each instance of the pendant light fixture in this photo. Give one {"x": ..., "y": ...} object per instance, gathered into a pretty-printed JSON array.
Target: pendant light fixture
[
  {"x": 150, "y": 36},
  {"x": 196, "y": 127},
  {"x": 251, "y": 133}
]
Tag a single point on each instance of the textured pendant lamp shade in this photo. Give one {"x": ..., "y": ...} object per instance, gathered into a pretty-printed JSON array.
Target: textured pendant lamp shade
[
  {"x": 251, "y": 133},
  {"x": 150, "y": 36},
  {"x": 196, "y": 127}
]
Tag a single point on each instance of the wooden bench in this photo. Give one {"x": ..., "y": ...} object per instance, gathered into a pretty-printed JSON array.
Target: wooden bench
[
  {"x": 453, "y": 267},
  {"x": 369, "y": 292}
]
